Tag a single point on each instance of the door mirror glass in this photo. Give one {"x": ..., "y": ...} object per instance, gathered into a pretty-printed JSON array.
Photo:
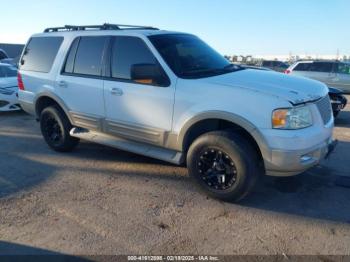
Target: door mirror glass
[{"x": 148, "y": 74}]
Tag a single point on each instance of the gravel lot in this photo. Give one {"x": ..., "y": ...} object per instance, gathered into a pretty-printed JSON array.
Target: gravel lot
[{"x": 99, "y": 200}]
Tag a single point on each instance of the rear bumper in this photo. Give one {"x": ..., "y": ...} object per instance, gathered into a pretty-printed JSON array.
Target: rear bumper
[
  {"x": 289, "y": 163},
  {"x": 27, "y": 107}
]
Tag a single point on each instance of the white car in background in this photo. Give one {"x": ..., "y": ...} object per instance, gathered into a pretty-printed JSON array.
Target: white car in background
[{"x": 8, "y": 88}]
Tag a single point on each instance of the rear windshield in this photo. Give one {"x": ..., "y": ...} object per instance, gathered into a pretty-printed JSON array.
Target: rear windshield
[{"x": 40, "y": 54}]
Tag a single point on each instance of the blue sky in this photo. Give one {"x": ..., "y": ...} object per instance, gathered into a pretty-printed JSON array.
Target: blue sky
[{"x": 258, "y": 27}]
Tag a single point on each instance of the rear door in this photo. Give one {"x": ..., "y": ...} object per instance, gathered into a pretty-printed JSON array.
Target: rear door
[
  {"x": 321, "y": 71},
  {"x": 80, "y": 83}
]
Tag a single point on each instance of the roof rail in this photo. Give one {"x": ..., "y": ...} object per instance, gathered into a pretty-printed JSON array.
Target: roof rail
[{"x": 104, "y": 26}]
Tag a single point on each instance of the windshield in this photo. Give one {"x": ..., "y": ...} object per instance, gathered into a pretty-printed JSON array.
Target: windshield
[{"x": 190, "y": 57}]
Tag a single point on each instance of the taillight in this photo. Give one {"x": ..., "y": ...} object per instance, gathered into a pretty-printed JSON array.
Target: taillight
[
  {"x": 287, "y": 71},
  {"x": 20, "y": 81}
]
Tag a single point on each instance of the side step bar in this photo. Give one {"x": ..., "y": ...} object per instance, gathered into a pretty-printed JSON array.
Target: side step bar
[{"x": 164, "y": 154}]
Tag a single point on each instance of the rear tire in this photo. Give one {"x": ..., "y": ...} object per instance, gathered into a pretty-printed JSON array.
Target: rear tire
[
  {"x": 55, "y": 128},
  {"x": 224, "y": 164}
]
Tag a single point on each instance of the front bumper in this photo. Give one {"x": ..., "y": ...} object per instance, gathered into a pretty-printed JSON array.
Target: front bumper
[{"x": 293, "y": 162}]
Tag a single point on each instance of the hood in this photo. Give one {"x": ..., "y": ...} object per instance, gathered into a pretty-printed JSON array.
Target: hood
[{"x": 296, "y": 90}]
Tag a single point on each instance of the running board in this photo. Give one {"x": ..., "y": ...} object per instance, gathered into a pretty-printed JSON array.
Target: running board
[{"x": 164, "y": 154}]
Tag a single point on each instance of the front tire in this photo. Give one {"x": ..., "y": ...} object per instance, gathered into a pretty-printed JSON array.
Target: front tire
[
  {"x": 224, "y": 164},
  {"x": 55, "y": 128}
]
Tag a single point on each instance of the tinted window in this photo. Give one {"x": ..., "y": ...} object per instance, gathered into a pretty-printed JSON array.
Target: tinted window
[
  {"x": 302, "y": 67},
  {"x": 190, "y": 57},
  {"x": 2, "y": 55},
  {"x": 40, "y": 53},
  {"x": 88, "y": 59},
  {"x": 343, "y": 68},
  {"x": 127, "y": 51},
  {"x": 266, "y": 63},
  {"x": 321, "y": 67},
  {"x": 69, "y": 66}
]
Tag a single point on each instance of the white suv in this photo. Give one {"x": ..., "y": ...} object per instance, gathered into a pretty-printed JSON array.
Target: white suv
[{"x": 170, "y": 96}]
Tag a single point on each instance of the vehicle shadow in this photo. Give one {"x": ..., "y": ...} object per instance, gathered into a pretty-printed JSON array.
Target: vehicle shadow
[
  {"x": 18, "y": 173},
  {"x": 17, "y": 252},
  {"x": 319, "y": 193},
  {"x": 314, "y": 194}
]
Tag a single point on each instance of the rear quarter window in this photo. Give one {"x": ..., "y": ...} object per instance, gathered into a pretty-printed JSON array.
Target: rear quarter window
[{"x": 40, "y": 54}]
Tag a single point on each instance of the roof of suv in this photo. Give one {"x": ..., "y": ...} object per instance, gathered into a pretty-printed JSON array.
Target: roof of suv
[
  {"x": 318, "y": 61},
  {"x": 108, "y": 32},
  {"x": 105, "y": 29}
]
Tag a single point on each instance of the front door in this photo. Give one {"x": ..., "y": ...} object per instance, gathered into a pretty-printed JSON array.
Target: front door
[{"x": 136, "y": 110}]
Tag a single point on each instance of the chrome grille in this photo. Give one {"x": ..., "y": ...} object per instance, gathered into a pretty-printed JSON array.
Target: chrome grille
[{"x": 325, "y": 109}]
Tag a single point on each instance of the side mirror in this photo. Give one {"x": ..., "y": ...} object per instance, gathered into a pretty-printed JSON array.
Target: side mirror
[{"x": 149, "y": 74}]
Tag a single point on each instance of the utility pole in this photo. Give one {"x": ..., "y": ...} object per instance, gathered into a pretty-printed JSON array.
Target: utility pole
[{"x": 337, "y": 57}]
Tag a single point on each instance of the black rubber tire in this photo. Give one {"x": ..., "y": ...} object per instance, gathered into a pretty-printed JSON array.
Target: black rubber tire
[
  {"x": 242, "y": 153},
  {"x": 336, "y": 113},
  {"x": 66, "y": 143}
]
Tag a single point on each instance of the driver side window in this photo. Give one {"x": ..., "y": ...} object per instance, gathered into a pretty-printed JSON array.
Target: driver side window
[{"x": 127, "y": 51}]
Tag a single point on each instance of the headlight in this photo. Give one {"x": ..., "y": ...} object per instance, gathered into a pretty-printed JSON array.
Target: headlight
[{"x": 292, "y": 118}]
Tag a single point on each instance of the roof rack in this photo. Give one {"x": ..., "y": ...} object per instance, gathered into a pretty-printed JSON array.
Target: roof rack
[{"x": 105, "y": 26}]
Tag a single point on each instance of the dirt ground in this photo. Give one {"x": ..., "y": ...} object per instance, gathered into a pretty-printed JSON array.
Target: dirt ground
[{"x": 99, "y": 200}]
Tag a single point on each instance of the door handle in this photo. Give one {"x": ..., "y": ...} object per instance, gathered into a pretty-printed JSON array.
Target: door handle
[
  {"x": 116, "y": 91},
  {"x": 62, "y": 84}
]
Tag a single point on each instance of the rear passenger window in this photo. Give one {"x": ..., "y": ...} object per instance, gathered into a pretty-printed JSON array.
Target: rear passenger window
[
  {"x": 127, "y": 51},
  {"x": 266, "y": 63},
  {"x": 343, "y": 68},
  {"x": 88, "y": 58},
  {"x": 321, "y": 67},
  {"x": 40, "y": 53},
  {"x": 69, "y": 66},
  {"x": 302, "y": 67}
]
